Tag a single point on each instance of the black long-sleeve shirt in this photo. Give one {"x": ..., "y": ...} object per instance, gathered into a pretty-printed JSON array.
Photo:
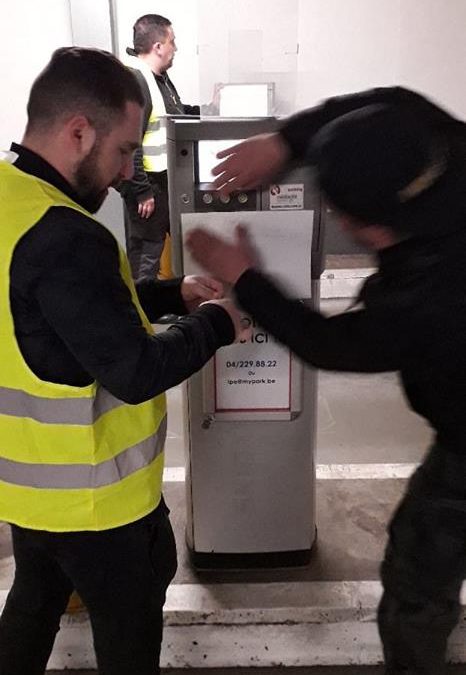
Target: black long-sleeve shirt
[
  {"x": 411, "y": 318},
  {"x": 74, "y": 318},
  {"x": 411, "y": 315},
  {"x": 299, "y": 129}
]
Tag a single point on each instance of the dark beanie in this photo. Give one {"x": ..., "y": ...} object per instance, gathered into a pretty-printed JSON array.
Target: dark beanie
[{"x": 384, "y": 164}]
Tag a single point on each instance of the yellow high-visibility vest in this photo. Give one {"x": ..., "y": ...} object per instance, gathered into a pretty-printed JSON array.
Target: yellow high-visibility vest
[
  {"x": 154, "y": 142},
  {"x": 71, "y": 458}
]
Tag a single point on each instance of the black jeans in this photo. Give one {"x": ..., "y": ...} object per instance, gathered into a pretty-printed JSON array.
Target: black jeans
[
  {"x": 424, "y": 566},
  {"x": 121, "y": 575},
  {"x": 145, "y": 237}
]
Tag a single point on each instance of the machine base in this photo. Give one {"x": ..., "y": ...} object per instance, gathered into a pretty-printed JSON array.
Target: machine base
[{"x": 240, "y": 561}]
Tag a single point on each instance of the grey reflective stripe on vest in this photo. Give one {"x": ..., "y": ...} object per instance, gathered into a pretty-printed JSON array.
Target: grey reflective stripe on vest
[
  {"x": 154, "y": 151},
  {"x": 82, "y": 476},
  {"x": 85, "y": 410}
]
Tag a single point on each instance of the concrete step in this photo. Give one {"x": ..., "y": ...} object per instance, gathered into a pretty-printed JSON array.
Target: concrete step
[
  {"x": 331, "y": 670},
  {"x": 238, "y": 625}
]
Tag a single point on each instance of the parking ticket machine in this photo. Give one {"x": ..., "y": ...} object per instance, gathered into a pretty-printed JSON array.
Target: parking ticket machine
[{"x": 251, "y": 411}]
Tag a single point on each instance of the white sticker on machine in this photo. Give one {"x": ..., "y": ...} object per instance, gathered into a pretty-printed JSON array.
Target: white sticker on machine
[
  {"x": 254, "y": 375},
  {"x": 286, "y": 196}
]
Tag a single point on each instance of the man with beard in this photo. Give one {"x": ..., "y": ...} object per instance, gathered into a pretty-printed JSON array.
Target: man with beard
[
  {"x": 82, "y": 381},
  {"x": 147, "y": 220},
  {"x": 393, "y": 165}
]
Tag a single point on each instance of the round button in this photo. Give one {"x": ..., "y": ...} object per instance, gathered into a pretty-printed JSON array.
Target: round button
[
  {"x": 207, "y": 198},
  {"x": 242, "y": 198},
  {"x": 225, "y": 199}
]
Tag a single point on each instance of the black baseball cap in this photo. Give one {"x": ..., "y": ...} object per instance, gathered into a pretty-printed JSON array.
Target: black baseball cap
[{"x": 388, "y": 164}]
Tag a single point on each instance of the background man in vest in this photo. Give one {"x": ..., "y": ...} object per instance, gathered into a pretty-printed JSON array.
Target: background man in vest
[
  {"x": 82, "y": 408},
  {"x": 393, "y": 165},
  {"x": 146, "y": 195}
]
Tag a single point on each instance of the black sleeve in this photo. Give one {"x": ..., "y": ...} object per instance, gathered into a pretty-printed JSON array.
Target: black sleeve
[
  {"x": 161, "y": 297},
  {"x": 85, "y": 301},
  {"x": 299, "y": 129},
  {"x": 139, "y": 186},
  {"x": 187, "y": 109},
  {"x": 358, "y": 341}
]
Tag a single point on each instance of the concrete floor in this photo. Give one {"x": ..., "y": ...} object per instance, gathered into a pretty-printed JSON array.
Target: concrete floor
[{"x": 351, "y": 521}]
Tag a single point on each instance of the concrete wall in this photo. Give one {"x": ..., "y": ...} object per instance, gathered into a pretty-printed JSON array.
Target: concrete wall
[
  {"x": 310, "y": 49},
  {"x": 30, "y": 32}
]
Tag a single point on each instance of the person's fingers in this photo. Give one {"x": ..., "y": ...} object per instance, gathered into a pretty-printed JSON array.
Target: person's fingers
[
  {"x": 215, "y": 286},
  {"x": 197, "y": 239},
  {"x": 205, "y": 292},
  {"x": 199, "y": 244},
  {"x": 226, "y": 185},
  {"x": 244, "y": 239},
  {"x": 223, "y": 167},
  {"x": 229, "y": 151},
  {"x": 242, "y": 235}
]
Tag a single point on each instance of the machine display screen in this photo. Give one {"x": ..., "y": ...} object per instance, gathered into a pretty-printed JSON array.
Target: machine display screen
[{"x": 207, "y": 151}]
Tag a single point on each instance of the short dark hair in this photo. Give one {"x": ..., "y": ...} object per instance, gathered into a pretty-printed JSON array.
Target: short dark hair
[
  {"x": 148, "y": 30},
  {"x": 84, "y": 81}
]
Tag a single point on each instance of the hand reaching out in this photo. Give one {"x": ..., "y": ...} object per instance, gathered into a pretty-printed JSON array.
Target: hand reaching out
[
  {"x": 253, "y": 162},
  {"x": 223, "y": 260},
  {"x": 197, "y": 289}
]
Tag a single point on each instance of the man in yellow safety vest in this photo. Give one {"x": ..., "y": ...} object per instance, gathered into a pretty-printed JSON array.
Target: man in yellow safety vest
[
  {"x": 82, "y": 380},
  {"x": 147, "y": 222}
]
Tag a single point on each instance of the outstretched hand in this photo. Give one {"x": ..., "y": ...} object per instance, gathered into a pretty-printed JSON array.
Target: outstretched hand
[
  {"x": 220, "y": 258},
  {"x": 253, "y": 162},
  {"x": 196, "y": 289}
]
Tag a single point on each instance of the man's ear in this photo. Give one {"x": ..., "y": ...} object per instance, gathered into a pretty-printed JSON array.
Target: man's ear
[
  {"x": 81, "y": 134},
  {"x": 156, "y": 48}
]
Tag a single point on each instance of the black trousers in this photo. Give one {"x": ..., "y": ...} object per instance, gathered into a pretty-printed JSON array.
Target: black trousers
[
  {"x": 121, "y": 575},
  {"x": 424, "y": 567},
  {"x": 145, "y": 237}
]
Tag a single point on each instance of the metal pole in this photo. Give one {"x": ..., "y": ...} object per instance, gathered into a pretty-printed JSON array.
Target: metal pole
[{"x": 113, "y": 12}]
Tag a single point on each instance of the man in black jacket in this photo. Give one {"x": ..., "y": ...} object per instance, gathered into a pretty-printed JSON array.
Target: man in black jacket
[
  {"x": 147, "y": 221},
  {"x": 394, "y": 166},
  {"x": 76, "y": 324}
]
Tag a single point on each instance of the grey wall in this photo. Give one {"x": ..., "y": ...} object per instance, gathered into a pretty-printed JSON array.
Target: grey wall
[
  {"x": 310, "y": 48},
  {"x": 313, "y": 49},
  {"x": 31, "y": 31}
]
